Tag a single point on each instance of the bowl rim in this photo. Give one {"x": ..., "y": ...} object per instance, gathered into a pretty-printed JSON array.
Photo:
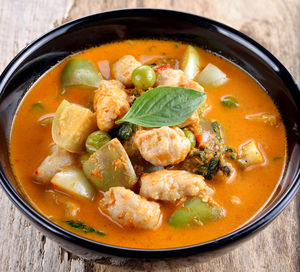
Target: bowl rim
[{"x": 219, "y": 242}]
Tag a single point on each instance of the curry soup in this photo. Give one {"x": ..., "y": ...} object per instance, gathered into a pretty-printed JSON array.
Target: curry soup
[{"x": 239, "y": 192}]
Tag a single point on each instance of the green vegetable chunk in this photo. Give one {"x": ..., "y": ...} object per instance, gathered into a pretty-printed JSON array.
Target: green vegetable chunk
[
  {"x": 250, "y": 154},
  {"x": 74, "y": 182},
  {"x": 84, "y": 157},
  {"x": 229, "y": 102},
  {"x": 96, "y": 140},
  {"x": 110, "y": 166},
  {"x": 211, "y": 76},
  {"x": 125, "y": 131},
  {"x": 191, "y": 62},
  {"x": 190, "y": 135},
  {"x": 195, "y": 211},
  {"x": 80, "y": 73},
  {"x": 163, "y": 106},
  {"x": 143, "y": 77},
  {"x": 71, "y": 126}
]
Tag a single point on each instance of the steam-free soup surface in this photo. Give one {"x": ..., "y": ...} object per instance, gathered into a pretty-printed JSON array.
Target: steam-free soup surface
[{"x": 241, "y": 196}]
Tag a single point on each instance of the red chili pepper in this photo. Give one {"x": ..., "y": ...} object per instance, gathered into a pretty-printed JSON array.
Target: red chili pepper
[
  {"x": 199, "y": 139},
  {"x": 161, "y": 68}
]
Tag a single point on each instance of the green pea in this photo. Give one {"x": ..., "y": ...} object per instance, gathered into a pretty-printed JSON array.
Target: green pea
[
  {"x": 143, "y": 77},
  {"x": 125, "y": 131},
  {"x": 229, "y": 102},
  {"x": 80, "y": 73},
  {"x": 190, "y": 135},
  {"x": 96, "y": 140}
]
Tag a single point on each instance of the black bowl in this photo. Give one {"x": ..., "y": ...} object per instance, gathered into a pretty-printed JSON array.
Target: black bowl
[{"x": 110, "y": 26}]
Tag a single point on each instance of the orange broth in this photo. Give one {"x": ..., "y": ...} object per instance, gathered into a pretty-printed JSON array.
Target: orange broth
[{"x": 30, "y": 144}]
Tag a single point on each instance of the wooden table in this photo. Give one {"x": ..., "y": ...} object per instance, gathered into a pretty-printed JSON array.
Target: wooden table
[{"x": 273, "y": 23}]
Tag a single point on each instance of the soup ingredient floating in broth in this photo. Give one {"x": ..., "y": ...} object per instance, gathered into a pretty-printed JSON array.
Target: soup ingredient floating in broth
[
  {"x": 196, "y": 211},
  {"x": 250, "y": 155},
  {"x": 96, "y": 140},
  {"x": 130, "y": 209},
  {"x": 110, "y": 166},
  {"x": 123, "y": 68},
  {"x": 80, "y": 73},
  {"x": 71, "y": 126},
  {"x": 73, "y": 181},
  {"x": 143, "y": 77},
  {"x": 172, "y": 185},
  {"x": 190, "y": 62},
  {"x": 211, "y": 76},
  {"x": 110, "y": 103},
  {"x": 162, "y": 146},
  {"x": 81, "y": 226},
  {"x": 59, "y": 159},
  {"x": 164, "y": 106},
  {"x": 229, "y": 102}
]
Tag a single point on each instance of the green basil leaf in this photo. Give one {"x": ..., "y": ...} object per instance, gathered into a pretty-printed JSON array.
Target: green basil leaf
[{"x": 164, "y": 106}]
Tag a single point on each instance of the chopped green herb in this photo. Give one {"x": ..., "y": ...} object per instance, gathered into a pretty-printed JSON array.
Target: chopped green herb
[
  {"x": 151, "y": 47},
  {"x": 37, "y": 107},
  {"x": 212, "y": 166},
  {"x": 130, "y": 43},
  {"x": 230, "y": 153},
  {"x": 277, "y": 158},
  {"x": 217, "y": 129},
  {"x": 229, "y": 102},
  {"x": 175, "y": 45},
  {"x": 80, "y": 225},
  {"x": 208, "y": 170},
  {"x": 202, "y": 155}
]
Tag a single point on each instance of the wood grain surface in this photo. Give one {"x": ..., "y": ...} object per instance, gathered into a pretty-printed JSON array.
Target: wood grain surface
[{"x": 273, "y": 23}]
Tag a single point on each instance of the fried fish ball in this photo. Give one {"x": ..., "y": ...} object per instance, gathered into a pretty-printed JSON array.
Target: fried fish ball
[
  {"x": 130, "y": 209},
  {"x": 172, "y": 185},
  {"x": 123, "y": 68},
  {"x": 162, "y": 146},
  {"x": 110, "y": 103}
]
